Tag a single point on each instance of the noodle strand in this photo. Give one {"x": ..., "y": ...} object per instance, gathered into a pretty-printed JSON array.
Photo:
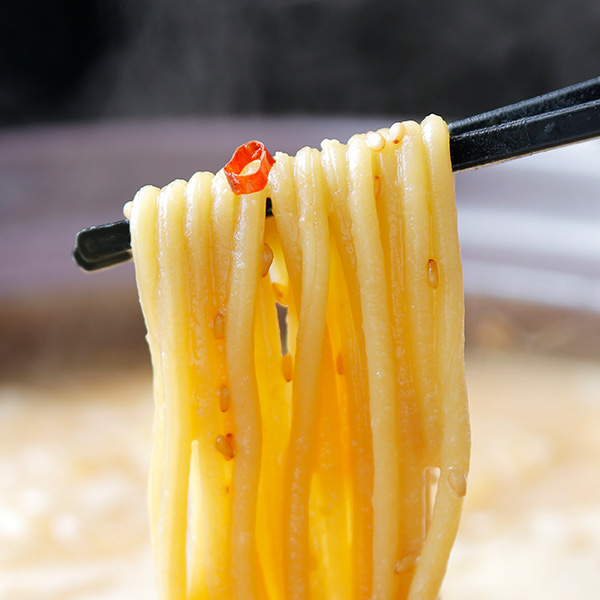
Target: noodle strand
[{"x": 296, "y": 450}]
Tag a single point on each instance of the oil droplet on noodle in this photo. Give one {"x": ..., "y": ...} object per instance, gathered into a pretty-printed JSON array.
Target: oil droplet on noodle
[
  {"x": 339, "y": 364},
  {"x": 457, "y": 481},
  {"x": 287, "y": 367},
  {"x": 224, "y": 398},
  {"x": 219, "y": 324},
  {"x": 432, "y": 274},
  {"x": 223, "y": 445},
  {"x": 267, "y": 259},
  {"x": 406, "y": 563}
]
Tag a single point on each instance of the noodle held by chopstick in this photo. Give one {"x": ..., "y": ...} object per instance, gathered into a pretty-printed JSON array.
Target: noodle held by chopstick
[{"x": 298, "y": 464}]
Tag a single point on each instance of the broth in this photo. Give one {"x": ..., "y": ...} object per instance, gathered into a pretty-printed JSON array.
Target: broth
[{"x": 74, "y": 454}]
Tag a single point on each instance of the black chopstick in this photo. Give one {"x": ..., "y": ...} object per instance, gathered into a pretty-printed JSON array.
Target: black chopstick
[
  {"x": 572, "y": 95},
  {"x": 561, "y": 117},
  {"x": 103, "y": 246},
  {"x": 555, "y": 119}
]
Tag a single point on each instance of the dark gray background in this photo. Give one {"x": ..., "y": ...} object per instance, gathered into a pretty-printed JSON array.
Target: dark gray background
[{"x": 90, "y": 59}]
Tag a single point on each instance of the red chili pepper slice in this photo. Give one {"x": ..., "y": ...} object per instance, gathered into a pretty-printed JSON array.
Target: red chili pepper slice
[{"x": 243, "y": 156}]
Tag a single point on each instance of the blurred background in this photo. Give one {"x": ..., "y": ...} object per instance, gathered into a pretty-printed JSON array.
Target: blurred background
[
  {"x": 98, "y": 98},
  {"x": 92, "y": 59}
]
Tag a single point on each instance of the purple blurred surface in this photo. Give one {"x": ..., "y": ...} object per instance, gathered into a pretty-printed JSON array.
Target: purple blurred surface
[
  {"x": 530, "y": 232},
  {"x": 57, "y": 180}
]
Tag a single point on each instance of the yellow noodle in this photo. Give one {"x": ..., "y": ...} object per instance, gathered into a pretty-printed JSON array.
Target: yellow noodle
[
  {"x": 329, "y": 524},
  {"x": 346, "y": 287},
  {"x": 455, "y": 437},
  {"x": 174, "y": 319},
  {"x": 411, "y": 443},
  {"x": 370, "y": 269},
  {"x": 143, "y": 230},
  {"x": 275, "y": 397},
  {"x": 297, "y": 464},
  {"x": 417, "y": 252},
  {"x": 246, "y": 265},
  {"x": 211, "y": 551},
  {"x": 197, "y": 559},
  {"x": 313, "y": 239}
]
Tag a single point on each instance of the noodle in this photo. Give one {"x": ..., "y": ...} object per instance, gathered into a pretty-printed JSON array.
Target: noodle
[{"x": 301, "y": 465}]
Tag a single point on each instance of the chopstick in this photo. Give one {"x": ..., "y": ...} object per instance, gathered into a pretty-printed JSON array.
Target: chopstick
[
  {"x": 103, "y": 246},
  {"x": 573, "y": 95},
  {"x": 556, "y": 119},
  {"x": 561, "y": 117}
]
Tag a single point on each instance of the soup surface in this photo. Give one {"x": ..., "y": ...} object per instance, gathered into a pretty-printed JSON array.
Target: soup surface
[{"x": 74, "y": 454}]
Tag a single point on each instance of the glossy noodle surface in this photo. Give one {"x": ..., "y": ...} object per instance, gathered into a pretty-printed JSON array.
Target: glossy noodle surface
[{"x": 326, "y": 458}]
